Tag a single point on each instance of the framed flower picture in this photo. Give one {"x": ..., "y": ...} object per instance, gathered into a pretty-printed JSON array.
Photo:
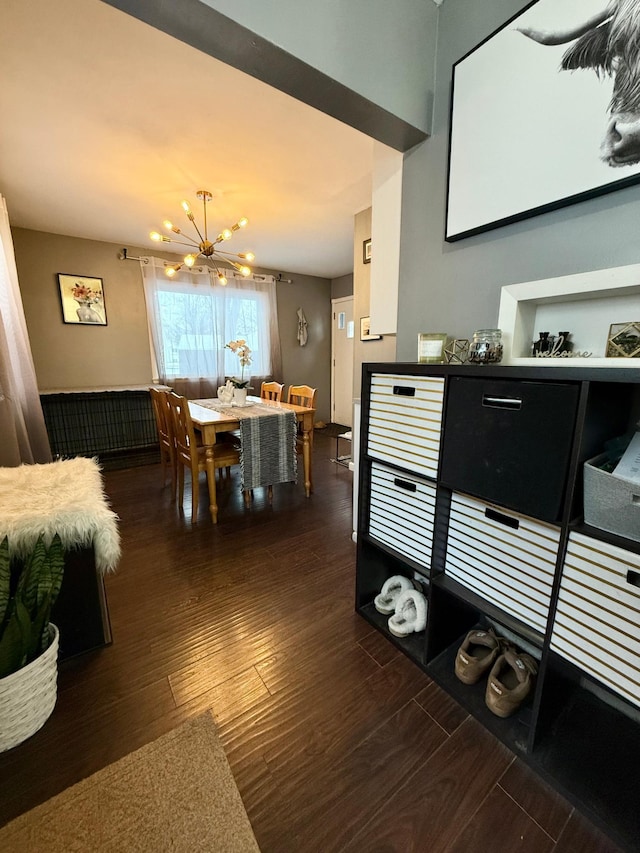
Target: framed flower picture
[{"x": 82, "y": 299}]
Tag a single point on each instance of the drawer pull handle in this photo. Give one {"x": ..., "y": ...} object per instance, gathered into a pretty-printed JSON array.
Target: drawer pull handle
[
  {"x": 501, "y": 518},
  {"x": 633, "y": 578},
  {"x": 404, "y": 484},
  {"x": 512, "y": 403},
  {"x": 404, "y": 391}
]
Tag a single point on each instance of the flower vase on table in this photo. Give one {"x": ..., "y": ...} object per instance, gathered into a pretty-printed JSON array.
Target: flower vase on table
[{"x": 240, "y": 386}]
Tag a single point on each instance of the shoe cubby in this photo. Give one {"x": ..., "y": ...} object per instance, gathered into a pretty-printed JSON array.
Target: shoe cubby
[
  {"x": 472, "y": 480},
  {"x": 385, "y": 565},
  {"x": 452, "y": 618},
  {"x": 586, "y": 742}
]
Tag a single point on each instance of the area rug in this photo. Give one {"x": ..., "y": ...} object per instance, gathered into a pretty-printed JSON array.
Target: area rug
[{"x": 174, "y": 794}]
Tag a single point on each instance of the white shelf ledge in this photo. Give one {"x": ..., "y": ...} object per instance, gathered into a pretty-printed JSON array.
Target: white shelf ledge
[{"x": 585, "y": 304}]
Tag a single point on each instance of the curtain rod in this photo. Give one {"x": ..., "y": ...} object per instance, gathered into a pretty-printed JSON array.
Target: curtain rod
[{"x": 124, "y": 256}]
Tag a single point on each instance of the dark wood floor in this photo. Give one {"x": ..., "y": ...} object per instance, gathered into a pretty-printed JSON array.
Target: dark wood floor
[{"x": 336, "y": 740}]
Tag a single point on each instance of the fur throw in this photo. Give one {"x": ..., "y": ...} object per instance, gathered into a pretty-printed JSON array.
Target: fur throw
[{"x": 64, "y": 497}]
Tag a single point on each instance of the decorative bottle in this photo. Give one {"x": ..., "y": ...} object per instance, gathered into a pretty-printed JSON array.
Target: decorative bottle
[{"x": 486, "y": 347}]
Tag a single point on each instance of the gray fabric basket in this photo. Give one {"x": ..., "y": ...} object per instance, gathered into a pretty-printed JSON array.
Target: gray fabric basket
[{"x": 611, "y": 503}]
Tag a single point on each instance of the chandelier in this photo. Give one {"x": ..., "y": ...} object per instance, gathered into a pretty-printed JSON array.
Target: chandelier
[{"x": 203, "y": 246}]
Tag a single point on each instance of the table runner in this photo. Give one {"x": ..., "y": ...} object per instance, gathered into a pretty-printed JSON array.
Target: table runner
[{"x": 268, "y": 442}]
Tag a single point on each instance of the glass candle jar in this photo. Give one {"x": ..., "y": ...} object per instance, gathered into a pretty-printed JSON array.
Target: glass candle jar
[
  {"x": 431, "y": 347},
  {"x": 486, "y": 347}
]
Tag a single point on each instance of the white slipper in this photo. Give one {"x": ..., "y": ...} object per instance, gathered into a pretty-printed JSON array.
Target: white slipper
[
  {"x": 385, "y": 602},
  {"x": 410, "y": 615}
]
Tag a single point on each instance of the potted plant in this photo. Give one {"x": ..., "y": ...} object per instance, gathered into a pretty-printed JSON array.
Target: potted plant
[
  {"x": 28, "y": 640},
  {"x": 241, "y": 386}
]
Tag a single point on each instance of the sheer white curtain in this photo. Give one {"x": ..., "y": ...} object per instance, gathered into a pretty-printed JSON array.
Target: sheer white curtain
[
  {"x": 23, "y": 435},
  {"x": 191, "y": 318}
]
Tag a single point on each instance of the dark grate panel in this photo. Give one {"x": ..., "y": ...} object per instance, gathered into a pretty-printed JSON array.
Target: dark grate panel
[{"x": 106, "y": 424}]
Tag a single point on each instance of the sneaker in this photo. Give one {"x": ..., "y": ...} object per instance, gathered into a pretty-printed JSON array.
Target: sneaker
[
  {"x": 510, "y": 682},
  {"x": 477, "y": 654}
]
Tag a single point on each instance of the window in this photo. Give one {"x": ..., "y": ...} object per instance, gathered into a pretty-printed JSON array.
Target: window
[{"x": 192, "y": 317}]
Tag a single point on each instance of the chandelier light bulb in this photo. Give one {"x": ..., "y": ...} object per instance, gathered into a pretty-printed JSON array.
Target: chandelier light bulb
[{"x": 201, "y": 246}]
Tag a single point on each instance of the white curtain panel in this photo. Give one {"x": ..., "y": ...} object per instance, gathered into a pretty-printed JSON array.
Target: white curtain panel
[
  {"x": 22, "y": 427},
  {"x": 191, "y": 318}
]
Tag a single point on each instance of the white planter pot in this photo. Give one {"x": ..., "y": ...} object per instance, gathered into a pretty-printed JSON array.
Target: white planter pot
[
  {"x": 240, "y": 396},
  {"x": 28, "y": 696}
]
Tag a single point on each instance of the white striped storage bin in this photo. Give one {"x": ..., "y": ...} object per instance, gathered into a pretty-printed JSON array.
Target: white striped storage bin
[
  {"x": 405, "y": 417},
  {"x": 597, "y": 622},
  {"x": 507, "y": 558},
  {"x": 401, "y": 513}
]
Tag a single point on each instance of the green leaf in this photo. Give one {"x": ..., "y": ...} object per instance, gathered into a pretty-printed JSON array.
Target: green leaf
[
  {"x": 14, "y": 642},
  {"x": 38, "y": 629},
  {"x": 27, "y": 589},
  {"x": 56, "y": 565},
  {"x": 5, "y": 578}
]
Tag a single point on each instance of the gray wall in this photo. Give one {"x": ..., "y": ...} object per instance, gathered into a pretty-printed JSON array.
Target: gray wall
[
  {"x": 456, "y": 287},
  {"x": 311, "y": 364},
  {"x": 380, "y": 49},
  {"x": 341, "y": 287},
  {"x": 68, "y": 356}
]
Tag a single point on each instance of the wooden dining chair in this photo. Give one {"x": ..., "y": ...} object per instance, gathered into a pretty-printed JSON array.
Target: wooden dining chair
[
  {"x": 302, "y": 395},
  {"x": 191, "y": 455},
  {"x": 271, "y": 391},
  {"x": 164, "y": 427}
]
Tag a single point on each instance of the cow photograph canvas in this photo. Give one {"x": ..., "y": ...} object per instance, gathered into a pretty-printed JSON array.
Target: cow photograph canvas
[{"x": 544, "y": 113}]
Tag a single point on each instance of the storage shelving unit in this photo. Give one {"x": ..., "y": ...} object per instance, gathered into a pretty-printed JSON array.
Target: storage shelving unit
[{"x": 470, "y": 481}]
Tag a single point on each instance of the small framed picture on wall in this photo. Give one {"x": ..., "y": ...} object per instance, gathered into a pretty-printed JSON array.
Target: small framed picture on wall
[
  {"x": 365, "y": 330},
  {"x": 366, "y": 251},
  {"x": 82, "y": 299}
]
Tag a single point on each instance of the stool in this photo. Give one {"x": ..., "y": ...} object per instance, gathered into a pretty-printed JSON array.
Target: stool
[{"x": 343, "y": 460}]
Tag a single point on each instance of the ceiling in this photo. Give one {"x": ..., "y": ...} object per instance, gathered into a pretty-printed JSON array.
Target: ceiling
[{"x": 107, "y": 124}]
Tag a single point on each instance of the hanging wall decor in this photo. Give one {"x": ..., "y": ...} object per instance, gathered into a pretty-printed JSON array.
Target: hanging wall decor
[
  {"x": 544, "y": 114},
  {"x": 365, "y": 330},
  {"x": 82, "y": 299}
]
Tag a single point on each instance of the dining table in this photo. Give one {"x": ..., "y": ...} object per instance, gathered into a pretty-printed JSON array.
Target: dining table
[{"x": 210, "y": 422}]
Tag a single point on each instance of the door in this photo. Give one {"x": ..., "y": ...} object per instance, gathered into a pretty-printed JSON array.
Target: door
[{"x": 342, "y": 361}]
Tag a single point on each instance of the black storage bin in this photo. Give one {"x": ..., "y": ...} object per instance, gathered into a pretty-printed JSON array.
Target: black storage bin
[{"x": 509, "y": 441}]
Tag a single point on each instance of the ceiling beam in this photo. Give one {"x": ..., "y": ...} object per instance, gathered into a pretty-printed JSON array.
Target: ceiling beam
[{"x": 217, "y": 35}]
